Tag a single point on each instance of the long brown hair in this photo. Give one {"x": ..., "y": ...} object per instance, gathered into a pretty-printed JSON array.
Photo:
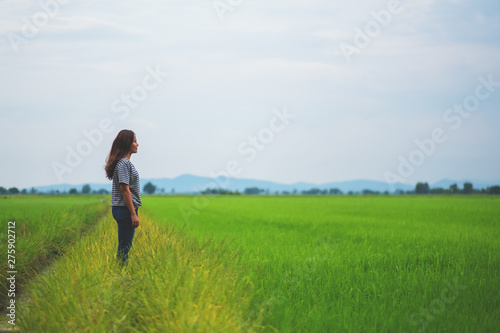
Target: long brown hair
[{"x": 119, "y": 149}]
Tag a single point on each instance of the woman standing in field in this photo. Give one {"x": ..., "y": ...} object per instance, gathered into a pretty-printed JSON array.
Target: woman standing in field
[{"x": 126, "y": 193}]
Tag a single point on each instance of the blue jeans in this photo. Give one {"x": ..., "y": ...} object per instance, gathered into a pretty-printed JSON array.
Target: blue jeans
[{"x": 125, "y": 231}]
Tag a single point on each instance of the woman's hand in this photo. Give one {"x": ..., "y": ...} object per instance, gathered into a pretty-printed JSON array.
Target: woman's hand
[{"x": 135, "y": 221}]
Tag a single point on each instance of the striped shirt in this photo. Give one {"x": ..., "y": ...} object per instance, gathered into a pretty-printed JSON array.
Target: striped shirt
[{"x": 125, "y": 173}]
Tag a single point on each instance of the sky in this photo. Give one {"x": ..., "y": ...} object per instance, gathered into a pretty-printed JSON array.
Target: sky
[{"x": 289, "y": 91}]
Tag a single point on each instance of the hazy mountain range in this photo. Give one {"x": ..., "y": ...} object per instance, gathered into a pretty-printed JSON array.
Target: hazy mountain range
[{"x": 192, "y": 184}]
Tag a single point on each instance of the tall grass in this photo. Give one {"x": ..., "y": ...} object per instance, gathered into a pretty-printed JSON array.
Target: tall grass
[
  {"x": 358, "y": 264},
  {"x": 288, "y": 264},
  {"x": 45, "y": 225},
  {"x": 172, "y": 283}
]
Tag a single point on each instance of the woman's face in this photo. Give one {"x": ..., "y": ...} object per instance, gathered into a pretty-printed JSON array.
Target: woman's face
[{"x": 133, "y": 146}]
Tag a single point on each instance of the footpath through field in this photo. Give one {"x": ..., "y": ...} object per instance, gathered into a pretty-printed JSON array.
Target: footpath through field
[
  {"x": 35, "y": 231},
  {"x": 172, "y": 283}
]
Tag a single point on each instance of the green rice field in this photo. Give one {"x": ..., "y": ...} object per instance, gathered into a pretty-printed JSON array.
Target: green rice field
[
  {"x": 263, "y": 264},
  {"x": 44, "y": 226}
]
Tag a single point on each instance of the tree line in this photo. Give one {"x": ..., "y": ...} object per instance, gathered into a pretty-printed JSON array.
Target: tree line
[
  {"x": 85, "y": 190},
  {"x": 420, "y": 188},
  {"x": 149, "y": 188},
  {"x": 423, "y": 188}
]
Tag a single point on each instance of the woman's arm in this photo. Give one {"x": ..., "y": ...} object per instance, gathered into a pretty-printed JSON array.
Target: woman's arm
[{"x": 127, "y": 196}]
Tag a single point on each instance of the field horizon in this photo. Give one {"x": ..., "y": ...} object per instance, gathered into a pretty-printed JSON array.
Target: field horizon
[{"x": 186, "y": 183}]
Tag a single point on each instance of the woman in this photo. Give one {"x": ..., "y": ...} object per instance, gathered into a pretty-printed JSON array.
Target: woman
[{"x": 126, "y": 193}]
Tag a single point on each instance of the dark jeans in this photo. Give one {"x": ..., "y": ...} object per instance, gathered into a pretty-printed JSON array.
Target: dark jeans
[{"x": 125, "y": 231}]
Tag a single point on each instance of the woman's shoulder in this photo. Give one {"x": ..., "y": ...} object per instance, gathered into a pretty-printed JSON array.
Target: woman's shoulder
[{"x": 123, "y": 162}]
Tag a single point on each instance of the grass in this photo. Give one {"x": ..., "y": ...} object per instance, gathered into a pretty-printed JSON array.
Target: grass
[
  {"x": 45, "y": 225},
  {"x": 173, "y": 283},
  {"x": 358, "y": 264},
  {"x": 288, "y": 264}
]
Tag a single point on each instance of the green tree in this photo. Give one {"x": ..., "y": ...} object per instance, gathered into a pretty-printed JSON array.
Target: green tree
[
  {"x": 335, "y": 191},
  {"x": 454, "y": 188},
  {"x": 253, "y": 190},
  {"x": 369, "y": 192},
  {"x": 468, "y": 188},
  {"x": 437, "y": 190},
  {"x": 86, "y": 189},
  {"x": 494, "y": 190},
  {"x": 313, "y": 191},
  {"x": 13, "y": 190},
  {"x": 422, "y": 188},
  {"x": 73, "y": 191},
  {"x": 149, "y": 188}
]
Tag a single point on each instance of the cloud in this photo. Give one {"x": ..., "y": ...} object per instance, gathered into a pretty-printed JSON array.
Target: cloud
[
  {"x": 142, "y": 124},
  {"x": 226, "y": 76},
  {"x": 90, "y": 28}
]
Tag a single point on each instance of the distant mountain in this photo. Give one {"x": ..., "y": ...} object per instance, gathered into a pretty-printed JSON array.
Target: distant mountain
[
  {"x": 191, "y": 183},
  {"x": 186, "y": 184}
]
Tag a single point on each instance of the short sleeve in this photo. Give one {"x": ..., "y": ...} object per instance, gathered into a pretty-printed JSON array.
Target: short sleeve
[{"x": 123, "y": 172}]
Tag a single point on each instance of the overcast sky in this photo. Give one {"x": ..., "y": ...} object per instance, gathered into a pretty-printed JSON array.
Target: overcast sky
[{"x": 352, "y": 104}]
